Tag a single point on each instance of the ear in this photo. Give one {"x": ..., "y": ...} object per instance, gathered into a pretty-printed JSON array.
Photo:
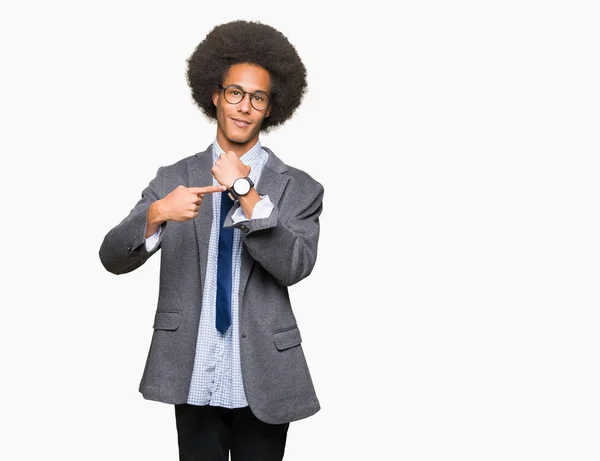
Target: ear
[
  {"x": 268, "y": 111},
  {"x": 215, "y": 96}
]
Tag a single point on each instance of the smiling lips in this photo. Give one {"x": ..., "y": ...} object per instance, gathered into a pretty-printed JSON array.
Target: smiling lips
[{"x": 240, "y": 122}]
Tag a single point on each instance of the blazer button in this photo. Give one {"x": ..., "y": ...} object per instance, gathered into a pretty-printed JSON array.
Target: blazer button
[
  {"x": 243, "y": 336},
  {"x": 129, "y": 247}
]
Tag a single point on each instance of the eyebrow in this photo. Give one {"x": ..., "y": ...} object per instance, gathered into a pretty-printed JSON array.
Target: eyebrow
[{"x": 240, "y": 86}]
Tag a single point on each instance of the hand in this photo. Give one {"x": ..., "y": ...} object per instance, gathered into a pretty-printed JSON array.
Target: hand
[
  {"x": 228, "y": 168},
  {"x": 183, "y": 203}
]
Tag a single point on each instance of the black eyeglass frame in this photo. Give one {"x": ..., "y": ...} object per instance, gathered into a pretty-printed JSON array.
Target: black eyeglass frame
[{"x": 244, "y": 93}]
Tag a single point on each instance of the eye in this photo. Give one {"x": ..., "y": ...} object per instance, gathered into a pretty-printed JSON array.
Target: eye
[{"x": 259, "y": 97}]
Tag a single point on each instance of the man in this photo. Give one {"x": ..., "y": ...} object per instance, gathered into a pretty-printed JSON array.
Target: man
[{"x": 226, "y": 349}]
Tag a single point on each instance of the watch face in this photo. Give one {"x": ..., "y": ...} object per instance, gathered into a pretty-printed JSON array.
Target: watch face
[{"x": 241, "y": 186}]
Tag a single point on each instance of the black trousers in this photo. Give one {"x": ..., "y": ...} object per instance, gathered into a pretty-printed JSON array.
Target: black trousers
[{"x": 208, "y": 433}]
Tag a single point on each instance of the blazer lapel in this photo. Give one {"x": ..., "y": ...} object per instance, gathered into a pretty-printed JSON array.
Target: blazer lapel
[
  {"x": 200, "y": 174},
  {"x": 271, "y": 183}
]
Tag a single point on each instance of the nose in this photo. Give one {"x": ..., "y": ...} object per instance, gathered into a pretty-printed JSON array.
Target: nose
[{"x": 244, "y": 105}]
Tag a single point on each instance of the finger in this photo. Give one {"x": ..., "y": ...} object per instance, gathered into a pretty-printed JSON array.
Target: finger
[{"x": 207, "y": 189}]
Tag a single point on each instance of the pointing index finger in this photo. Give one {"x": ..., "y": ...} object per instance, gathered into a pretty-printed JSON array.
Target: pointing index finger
[{"x": 207, "y": 189}]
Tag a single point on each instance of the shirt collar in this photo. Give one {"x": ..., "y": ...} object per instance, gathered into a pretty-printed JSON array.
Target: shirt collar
[{"x": 248, "y": 158}]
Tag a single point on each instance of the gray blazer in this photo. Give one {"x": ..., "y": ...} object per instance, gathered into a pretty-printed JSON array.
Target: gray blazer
[{"x": 278, "y": 251}]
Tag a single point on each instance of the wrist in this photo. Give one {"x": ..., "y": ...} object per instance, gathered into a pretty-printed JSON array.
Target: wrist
[{"x": 156, "y": 213}]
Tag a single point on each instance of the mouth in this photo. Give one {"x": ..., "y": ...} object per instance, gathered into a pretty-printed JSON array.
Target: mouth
[{"x": 241, "y": 122}]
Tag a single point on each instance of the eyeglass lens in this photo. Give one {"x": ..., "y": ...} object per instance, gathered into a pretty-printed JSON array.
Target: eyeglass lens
[{"x": 259, "y": 100}]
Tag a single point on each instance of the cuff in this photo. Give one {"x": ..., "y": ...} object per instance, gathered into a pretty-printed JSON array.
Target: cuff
[
  {"x": 262, "y": 210},
  {"x": 152, "y": 241}
]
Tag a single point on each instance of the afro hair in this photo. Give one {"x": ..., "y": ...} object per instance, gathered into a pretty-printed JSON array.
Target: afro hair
[{"x": 254, "y": 43}]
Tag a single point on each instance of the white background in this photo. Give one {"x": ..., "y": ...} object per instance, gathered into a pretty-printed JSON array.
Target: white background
[{"x": 453, "y": 311}]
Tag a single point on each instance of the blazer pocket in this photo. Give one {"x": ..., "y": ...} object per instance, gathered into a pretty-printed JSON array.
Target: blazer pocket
[
  {"x": 166, "y": 320},
  {"x": 287, "y": 338}
]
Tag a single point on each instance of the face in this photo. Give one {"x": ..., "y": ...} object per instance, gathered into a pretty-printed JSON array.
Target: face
[{"x": 238, "y": 125}]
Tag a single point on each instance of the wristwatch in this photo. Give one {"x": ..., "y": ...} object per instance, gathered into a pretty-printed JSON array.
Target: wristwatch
[{"x": 240, "y": 187}]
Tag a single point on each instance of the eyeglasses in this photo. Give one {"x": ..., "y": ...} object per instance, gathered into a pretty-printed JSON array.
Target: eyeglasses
[{"x": 234, "y": 95}]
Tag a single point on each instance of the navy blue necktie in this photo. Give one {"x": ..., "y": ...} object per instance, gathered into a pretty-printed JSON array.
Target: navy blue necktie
[{"x": 224, "y": 268}]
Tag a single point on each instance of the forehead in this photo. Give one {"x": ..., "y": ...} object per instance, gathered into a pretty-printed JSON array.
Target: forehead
[{"x": 249, "y": 76}]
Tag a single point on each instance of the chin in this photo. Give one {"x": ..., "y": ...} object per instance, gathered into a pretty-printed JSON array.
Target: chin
[
  {"x": 238, "y": 140},
  {"x": 241, "y": 139}
]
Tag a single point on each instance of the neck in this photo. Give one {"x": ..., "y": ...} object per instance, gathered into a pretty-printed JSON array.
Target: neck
[{"x": 238, "y": 148}]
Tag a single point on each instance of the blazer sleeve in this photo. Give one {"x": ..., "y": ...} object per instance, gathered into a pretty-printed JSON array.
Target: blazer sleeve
[
  {"x": 285, "y": 244},
  {"x": 124, "y": 247}
]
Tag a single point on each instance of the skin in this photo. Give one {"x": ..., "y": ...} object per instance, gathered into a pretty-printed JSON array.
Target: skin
[{"x": 238, "y": 129}]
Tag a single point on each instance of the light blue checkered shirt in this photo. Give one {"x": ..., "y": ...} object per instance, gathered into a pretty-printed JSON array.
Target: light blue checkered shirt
[{"x": 217, "y": 375}]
